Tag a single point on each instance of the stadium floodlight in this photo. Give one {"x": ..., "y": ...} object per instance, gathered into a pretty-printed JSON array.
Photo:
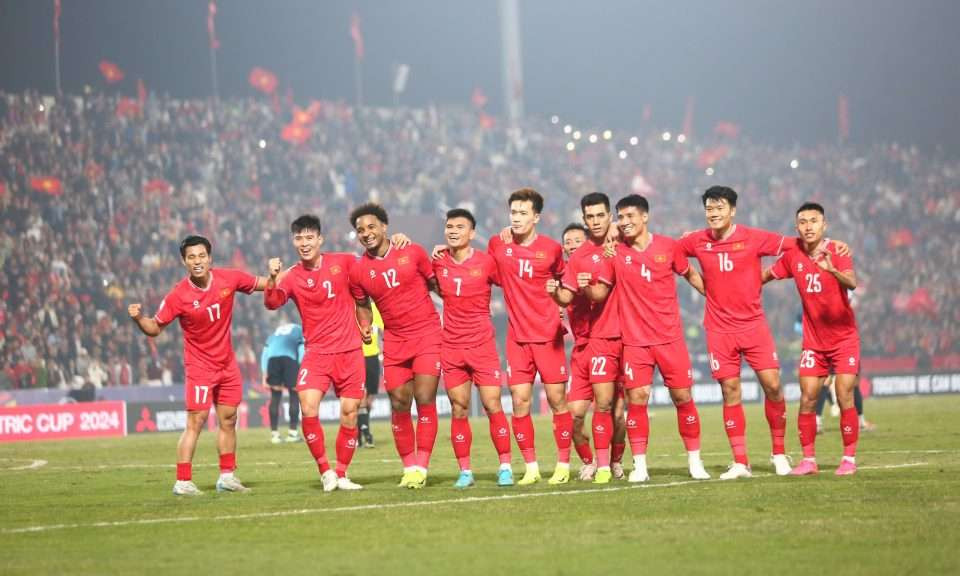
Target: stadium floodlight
[
  {"x": 623, "y": 154},
  {"x": 681, "y": 138},
  {"x": 571, "y": 146},
  {"x": 794, "y": 163},
  {"x": 554, "y": 119},
  {"x": 40, "y": 108},
  {"x": 607, "y": 134},
  {"x": 709, "y": 171},
  {"x": 593, "y": 138},
  {"x": 666, "y": 136},
  {"x": 567, "y": 129},
  {"x": 262, "y": 143},
  {"x": 634, "y": 140},
  {"x": 576, "y": 134}
]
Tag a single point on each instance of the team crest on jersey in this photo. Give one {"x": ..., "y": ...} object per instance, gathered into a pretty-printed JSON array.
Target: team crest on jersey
[
  {"x": 476, "y": 272},
  {"x": 660, "y": 258},
  {"x": 737, "y": 246},
  {"x": 334, "y": 270},
  {"x": 225, "y": 292},
  {"x": 403, "y": 260},
  {"x": 540, "y": 255}
]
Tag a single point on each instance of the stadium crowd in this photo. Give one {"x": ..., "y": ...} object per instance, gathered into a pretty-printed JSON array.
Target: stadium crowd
[{"x": 96, "y": 192}]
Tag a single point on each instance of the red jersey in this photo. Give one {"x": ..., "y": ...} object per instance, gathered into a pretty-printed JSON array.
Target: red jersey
[
  {"x": 732, "y": 274},
  {"x": 532, "y": 315},
  {"x": 828, "y": 318},
  {"x": 601, "y": 316},
  {"x": 646, "y": 291},
  {"x": 205, "y": 315},
  {"x": 322, "y": 296},
  {"x": 397, "y": 283},
  {"x": 465, "y": 288}
]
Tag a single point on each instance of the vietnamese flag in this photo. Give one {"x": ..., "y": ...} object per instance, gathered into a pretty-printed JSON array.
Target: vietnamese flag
[
  {"x": 127, "y": 108},
  {"x": 263, "y": 80},
  {"x": 157, "y": 186},
  {"x": 301, "y": 116},
  {"x": 295, "y": 133},
  {"x": 47, "y": 185},
  {"x": 111, "y": 72}
]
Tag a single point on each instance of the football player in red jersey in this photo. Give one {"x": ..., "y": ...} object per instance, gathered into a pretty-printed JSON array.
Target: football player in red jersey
[
  {"x": 831, "y": 341},
  {"x": 203, "y": 303}
]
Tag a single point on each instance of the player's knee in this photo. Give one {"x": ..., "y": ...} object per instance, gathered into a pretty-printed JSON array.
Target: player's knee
[{"x": 680, "y": 396}]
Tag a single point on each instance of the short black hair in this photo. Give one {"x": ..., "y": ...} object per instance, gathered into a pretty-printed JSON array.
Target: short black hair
[
  {"x": 635, "y": 200},
  {"x": 305, "y": 222},
  {"x": 527, "y": 195},
  {"x": 720, "y": 193},
  {"x": 574, "y": 226},
  {"x": 594, "y": 198},
  {"x": 194, "y": 240},
  {"x": 811, "y": 206},
  {"x": 369, "y": 209},
  {"x": 462, "y": 213}
]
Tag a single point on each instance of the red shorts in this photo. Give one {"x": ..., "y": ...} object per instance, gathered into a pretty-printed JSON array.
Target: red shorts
[
  {"x": 525, "y": 359},
  {"x": 404, "y": 358},
  {"x": 204, "y": 387},
  {"x": 756, "y": 345},
  {"x": 671, "y": 358},
  {"x": 347, "y": 372},
  {"x": 479, "y": 364},
  {"x": 844, "y": 359},
  {"x": 595, "y": 362}
]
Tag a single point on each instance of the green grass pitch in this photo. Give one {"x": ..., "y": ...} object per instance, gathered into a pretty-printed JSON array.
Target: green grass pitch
[{"x": 105, "y": 507}]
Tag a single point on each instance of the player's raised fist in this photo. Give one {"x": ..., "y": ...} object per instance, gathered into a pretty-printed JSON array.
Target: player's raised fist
[
  {"x": 135, "y": 310},
  {"x": 552, "y": 285},
  {"x": 583, "y": 279},
  {"x": 274, "y": 266}
]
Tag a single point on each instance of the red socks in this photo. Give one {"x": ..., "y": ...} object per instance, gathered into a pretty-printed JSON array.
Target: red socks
[
  {"x": 850, "y": 431},
  {"x": 563, "y": 435},
  {"x": 426, "y": 433},
  {"x": 583, "y": 450},
  {"x": 688, "y": 423},
  {"x": 403, "y": 438},
  {"x": 346, "y": 446},
  {"x": 228, "y": 462},
  {"x": 602, "y": 430},
  {"x": 500, "y": 434},
  {"x": 523, "y": 431},
  {"x": 462, "y": 437},
  {"x": 638, "y": 428},
  {"x": 776, "y": 413},
  {"x": 807, "y": 426},
  {"x": 313, "y": 434},
  {"x": 736, "y": 426},
  {"x": 616, "y": 454},
  {"x": 184, "y": 471}
]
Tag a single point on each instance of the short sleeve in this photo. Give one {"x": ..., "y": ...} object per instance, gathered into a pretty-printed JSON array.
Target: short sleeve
[
  {"x": 768, "y": 243},
  {"x": 168, "y": 311},
  {"x": 356, "y": 289},
  {"x": 687, "y": 245},
  {"x": 493, "y": 272},
  {"x": 423, "y": 261},
  {"x": 559, "y": 266},
  {"x": 781, "y": 269},
  {"x": 681, "y": 263},
  {"x": 569, "y": 278},
  {"x": 243, "y": 281}
]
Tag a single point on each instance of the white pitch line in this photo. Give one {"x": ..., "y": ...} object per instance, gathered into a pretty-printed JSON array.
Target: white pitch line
[
  {"x": 893, "y": 466},
  {"x": 394, "y": 505},
  {"x": 33, "y": 464}
]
